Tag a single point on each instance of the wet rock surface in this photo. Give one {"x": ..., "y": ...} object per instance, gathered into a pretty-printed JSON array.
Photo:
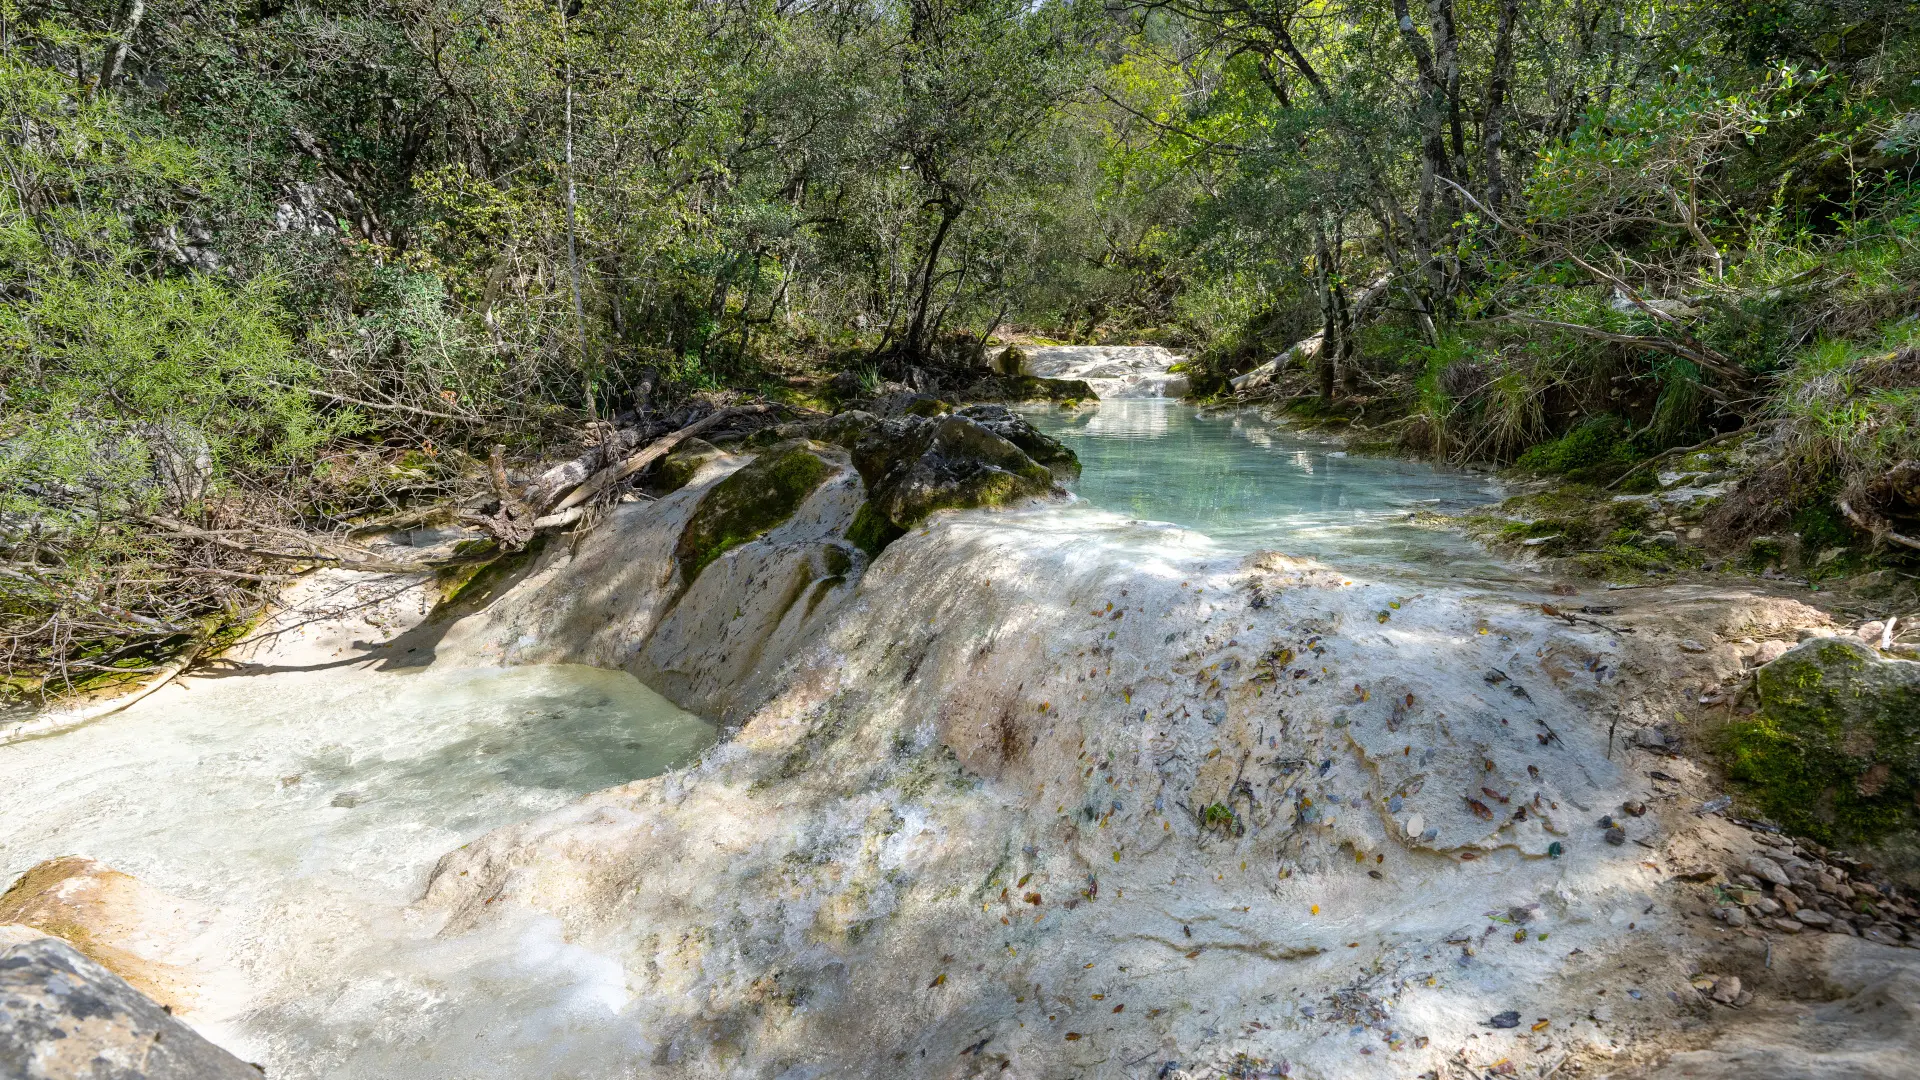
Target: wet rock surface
[
  {"x": 1001, "y": 801},
  {"x": 64, "y": 1017}
]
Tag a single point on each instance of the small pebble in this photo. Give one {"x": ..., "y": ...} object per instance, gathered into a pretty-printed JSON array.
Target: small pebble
[
  {"x": 1726, "y": 989},
  {"x": 1616, "y": 836}
]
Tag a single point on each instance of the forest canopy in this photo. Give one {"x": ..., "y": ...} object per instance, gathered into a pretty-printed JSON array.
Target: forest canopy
[{"x": 300, "y": 262}]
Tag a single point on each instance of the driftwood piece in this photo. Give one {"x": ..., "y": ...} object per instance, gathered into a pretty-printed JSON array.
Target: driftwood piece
[
  {"x": 513, "y": 525},
  {"x": 653, "y": 452},
  {"x": 1885, "y": 531},
  {"x": 547, "y": 488}
]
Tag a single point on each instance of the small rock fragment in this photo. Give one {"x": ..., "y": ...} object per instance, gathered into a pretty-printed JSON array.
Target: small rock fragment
[
  {"x": 1508, "y": 1019},
  {"x": 1812, "y": 917},
  {"x": 1726, "y": 989},
  {"x": 1766, "y": 870},
  {"x": 1616, "y": 836},
  {"x": 1634, "y": 808}
]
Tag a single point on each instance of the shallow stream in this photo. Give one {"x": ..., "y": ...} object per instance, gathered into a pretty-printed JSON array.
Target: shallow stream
[
  {"x": 300, "y": 812},
  {"x": 303, "y": 810},
  {"x": 1248, "y": 484}
]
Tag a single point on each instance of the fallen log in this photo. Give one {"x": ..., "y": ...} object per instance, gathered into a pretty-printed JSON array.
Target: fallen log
[
  {"x": 653, "y": 452},
  {"x": 547, "y": 488}
]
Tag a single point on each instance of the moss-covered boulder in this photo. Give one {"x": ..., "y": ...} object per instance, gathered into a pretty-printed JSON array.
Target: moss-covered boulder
[
  {"x": 1036, "y": 444},
  {"x": 744, "y": 506},
  {"x": 674, "y": 472},
  {"x": 913, "y": 466},
  {"x": 1833, "y": 752}
]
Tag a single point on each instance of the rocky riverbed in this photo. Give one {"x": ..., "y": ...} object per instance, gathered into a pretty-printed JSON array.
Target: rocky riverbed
[{"x": 1011, "y": 785}]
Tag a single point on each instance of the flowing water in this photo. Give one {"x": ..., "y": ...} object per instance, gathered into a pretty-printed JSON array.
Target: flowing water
[
  {"x": 1248, "y": 484},
  {"x": 303, "y": 810}
]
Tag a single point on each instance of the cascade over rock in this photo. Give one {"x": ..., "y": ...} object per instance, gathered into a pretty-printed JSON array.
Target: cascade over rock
[{"x": 1051, "y": 790}]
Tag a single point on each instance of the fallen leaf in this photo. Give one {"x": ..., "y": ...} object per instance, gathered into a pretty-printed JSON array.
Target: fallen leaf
[
  {"x": 1073, "y": 1036},
  {"x": 938, "y": 980}
]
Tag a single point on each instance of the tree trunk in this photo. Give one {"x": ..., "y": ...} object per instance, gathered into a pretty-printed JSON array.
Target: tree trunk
[
  {"x": 1323, "y": 277},
  {"x": 917, "y": 328},
  {"x": 1434, "y": 161},
  {"x": 573, "y": 246},
  {"x": 123, "y": 43},
  {"x": 1493, "y": 126},
  {"x": 1446, "y": 58}
]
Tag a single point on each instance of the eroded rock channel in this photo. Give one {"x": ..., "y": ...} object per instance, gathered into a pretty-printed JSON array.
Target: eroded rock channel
[{"x": 1014, "y": 785}]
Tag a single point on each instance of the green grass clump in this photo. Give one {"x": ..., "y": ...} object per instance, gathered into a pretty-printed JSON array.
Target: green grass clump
[{"x": 1596, "y": 450}]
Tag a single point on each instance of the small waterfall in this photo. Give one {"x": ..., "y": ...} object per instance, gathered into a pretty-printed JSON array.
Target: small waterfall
[{"x": 1114, "y": 371}]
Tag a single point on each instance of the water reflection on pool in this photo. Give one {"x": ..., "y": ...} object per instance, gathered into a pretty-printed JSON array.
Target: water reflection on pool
[{"x": 1250, "y": 484}]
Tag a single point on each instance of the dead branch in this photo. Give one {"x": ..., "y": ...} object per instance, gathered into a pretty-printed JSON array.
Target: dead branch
[
  {"x": 654, "y": 451},
  {"x": 1680, "y": 451},
  {"x": 1699, "y": 352},
  {"x": 1882, "y": 530},
  {"x": 356, "y": 559},
  {"x": 387, "y": 406},
  {"x": 1641, "y": 341}
]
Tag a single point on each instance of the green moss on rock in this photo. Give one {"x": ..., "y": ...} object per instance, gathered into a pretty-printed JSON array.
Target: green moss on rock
[
  {"x": 1833, "y": 753},
  {"x": 871, "y": 532},
  {"x": 687, "y": 458},
  {"x": 744, "y": 506}
]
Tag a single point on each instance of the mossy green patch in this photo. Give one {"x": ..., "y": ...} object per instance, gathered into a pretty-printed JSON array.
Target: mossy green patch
[
  {"x": 465, "y": 587},
  {"x": 677, "y": 470},
  {"x": 871, "y": 532},
  {"x": 744, "y": 506},
  {"x": 1596, "y": 450},
  {"x": 1833, "y": 753}
]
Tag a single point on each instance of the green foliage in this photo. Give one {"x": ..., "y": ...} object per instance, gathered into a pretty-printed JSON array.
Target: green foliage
[
  {"x": 126, "y": 385},
  {"x": 1595, "y": 450}
]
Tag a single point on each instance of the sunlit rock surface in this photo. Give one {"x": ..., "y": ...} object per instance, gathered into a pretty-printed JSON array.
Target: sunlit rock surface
[
  {"x": 63, "y": 1016},
  {"x": 1055, "y": 793},
  {"x": 1040, "y": 791}
]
